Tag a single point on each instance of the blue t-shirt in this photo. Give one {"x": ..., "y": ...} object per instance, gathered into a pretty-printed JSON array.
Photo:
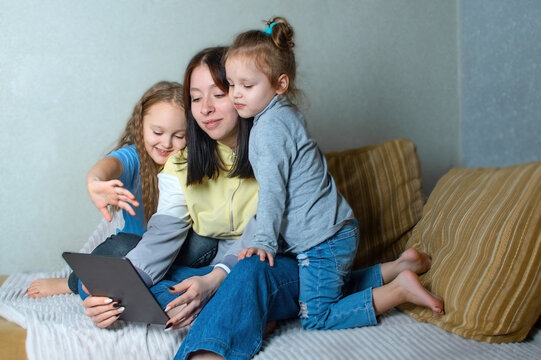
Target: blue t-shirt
[{"x": 130, "y": 178}]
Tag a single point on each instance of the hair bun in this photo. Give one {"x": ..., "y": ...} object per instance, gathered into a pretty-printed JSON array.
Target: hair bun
[{"x": 281, "y": 33}]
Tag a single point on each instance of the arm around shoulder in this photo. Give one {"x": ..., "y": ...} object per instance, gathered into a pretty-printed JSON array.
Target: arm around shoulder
[{"x": 166, "y": 232}]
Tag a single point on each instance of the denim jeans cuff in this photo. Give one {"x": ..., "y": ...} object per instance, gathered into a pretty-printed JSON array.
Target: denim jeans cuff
[
  {"x": 379, "y": 276},
  {"x": 370, "y": 312},
  {"x": 213, "y": 345}
]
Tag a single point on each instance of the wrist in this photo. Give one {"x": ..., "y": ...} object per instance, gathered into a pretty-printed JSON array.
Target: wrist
[
  {"x": 217, "y": 276},
  {"x": 91, "y": 179}
]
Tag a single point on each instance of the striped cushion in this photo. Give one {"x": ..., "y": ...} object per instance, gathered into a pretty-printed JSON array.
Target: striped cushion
[
  {"x": 482, "y": 228},
  {"x": 382, "y": 184}
]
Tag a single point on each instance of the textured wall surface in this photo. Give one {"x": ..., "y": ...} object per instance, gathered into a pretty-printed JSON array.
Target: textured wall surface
[{"x": 501, "y": 82}]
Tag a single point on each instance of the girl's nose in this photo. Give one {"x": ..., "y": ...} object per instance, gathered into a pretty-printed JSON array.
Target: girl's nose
[{"x": 168, "y": 142}]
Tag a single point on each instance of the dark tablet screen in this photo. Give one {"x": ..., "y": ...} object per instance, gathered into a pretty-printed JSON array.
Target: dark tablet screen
[{"x": 117, "y": 278}]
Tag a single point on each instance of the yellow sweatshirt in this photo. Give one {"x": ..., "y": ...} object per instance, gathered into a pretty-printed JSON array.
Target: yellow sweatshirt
[{"x": 219, "y": 208}]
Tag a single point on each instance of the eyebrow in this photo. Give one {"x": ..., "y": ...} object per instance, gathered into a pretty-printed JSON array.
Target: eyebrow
[{"x": 197, "y": 89}]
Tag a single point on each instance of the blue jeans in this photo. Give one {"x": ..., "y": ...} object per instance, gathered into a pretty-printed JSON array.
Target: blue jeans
[
  {"x": 197, "y": 251},
  {"x": 324, "y": 272},
  {"x": 233, "y": 321},
  {"x": 175, "y": 275}
]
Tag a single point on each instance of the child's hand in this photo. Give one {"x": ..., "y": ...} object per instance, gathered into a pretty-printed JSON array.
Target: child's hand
[
  {"x": 104, "y": 193},
  {"x": 248, "y": 252}
]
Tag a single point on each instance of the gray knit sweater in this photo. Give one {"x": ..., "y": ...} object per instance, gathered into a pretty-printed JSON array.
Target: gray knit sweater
[{"x": 298, "y": 198}]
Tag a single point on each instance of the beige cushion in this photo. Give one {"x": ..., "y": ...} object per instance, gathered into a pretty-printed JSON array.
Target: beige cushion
[
  {"x": 482, "y": 228},
  {"x": 382, "y": 184}
]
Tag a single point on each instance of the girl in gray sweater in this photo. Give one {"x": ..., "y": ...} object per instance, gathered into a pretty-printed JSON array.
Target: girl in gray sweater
[{"x": 298, "y": 198}]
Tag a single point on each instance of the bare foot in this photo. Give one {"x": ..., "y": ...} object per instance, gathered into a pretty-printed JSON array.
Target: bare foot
[
  {"x": 411, "y": 259},
  {"x": 414, "y": 292},
  {"x": 48, "y": 287},
  {"x": 416, "y": 261}
]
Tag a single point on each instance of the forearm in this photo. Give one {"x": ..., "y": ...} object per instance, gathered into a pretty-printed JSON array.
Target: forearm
[
  {"x": 106, "y": 169},
  {"x": 270, "y": 212},
  {"x": 271, "y": 160},
  {"x": 166, "y": 232},
  {"x": 159, "y": 247}
]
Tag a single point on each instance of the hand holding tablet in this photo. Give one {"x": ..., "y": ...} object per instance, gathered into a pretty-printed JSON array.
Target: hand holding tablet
[{"x": 117, "y": 279}]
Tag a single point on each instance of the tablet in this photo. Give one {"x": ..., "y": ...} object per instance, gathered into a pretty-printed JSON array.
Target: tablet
[{"x": 117, "y": 279}]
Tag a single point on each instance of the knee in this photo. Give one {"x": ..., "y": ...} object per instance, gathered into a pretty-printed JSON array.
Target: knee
[
  {"x": 311, "y": 321},
  {"x": 251, "y": 268},
  {"x": 118, "y": 245},
  {"x": 249, "y": 274},
  {"x": 73, "y": 283}
]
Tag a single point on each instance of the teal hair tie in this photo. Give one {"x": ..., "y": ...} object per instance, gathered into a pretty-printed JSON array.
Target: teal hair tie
[{"x": 268, "y": 30}]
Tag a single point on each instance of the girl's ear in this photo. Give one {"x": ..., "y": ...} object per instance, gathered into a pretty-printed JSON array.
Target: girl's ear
[{"x": 283, "y": 84}]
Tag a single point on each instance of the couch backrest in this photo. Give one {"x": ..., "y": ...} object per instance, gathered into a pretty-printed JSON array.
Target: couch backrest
[{"x": 382, "y": 184}]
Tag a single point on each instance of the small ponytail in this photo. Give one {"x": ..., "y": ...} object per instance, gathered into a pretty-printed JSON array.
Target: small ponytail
[
  {"x": 281, "y": 33},
  {"x": 271, "y": 50}
]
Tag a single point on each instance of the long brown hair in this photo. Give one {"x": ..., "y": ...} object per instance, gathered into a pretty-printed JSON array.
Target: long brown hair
[
  {"x": 163, "y": 91},
  {"x": 203, "y": 157}
]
